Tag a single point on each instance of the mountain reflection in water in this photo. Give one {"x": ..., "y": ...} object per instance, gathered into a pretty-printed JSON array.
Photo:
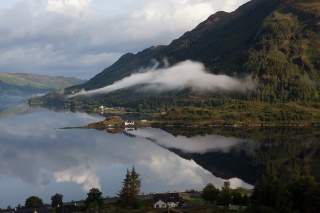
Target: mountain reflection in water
[
  {"x": 198, "y": 144},
  {"x": 38, "y": 158},
  {"x": 225, "y": 157}
]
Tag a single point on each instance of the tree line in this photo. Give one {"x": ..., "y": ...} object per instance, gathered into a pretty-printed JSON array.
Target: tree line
[
  {"x": 94, "y": 202},
  {"x": 225, "y": 196},
  {"x": 299, "y": 194}
]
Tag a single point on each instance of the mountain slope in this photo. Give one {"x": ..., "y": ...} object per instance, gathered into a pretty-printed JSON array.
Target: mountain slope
[
  {"x": 219, "y": 41},
  {"x": 216, "y": 37},
  {"x": 17, "y": 83},
  {"x": 275, "y": 41},
  {"x": 126, "y": 65}
]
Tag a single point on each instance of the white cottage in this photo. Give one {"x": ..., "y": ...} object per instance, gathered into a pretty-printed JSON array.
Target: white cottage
[
  {"x": 170, "y": 200},
  {"x": 160, "y": 204},
  {"x": 129, "y": 123}
]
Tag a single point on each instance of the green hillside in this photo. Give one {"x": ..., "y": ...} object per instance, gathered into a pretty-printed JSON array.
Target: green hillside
[
  {"x": 17, "y": 83},
  {"x": 275, "y": 42}
]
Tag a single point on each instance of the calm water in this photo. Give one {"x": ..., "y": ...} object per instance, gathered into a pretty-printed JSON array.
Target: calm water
[{"x": 38, "y": 158}]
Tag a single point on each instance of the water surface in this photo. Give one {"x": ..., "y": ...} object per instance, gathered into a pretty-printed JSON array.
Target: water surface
[{"x": 41, "y": 159}]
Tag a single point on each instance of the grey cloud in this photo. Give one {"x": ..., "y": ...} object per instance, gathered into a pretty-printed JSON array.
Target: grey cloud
[{"x": 98, "y": 37}]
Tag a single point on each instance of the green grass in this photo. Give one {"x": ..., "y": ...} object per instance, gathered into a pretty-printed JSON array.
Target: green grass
[
  {"x": 247, "y": 113},
  {"x": 38, "y": 81},
  {"x": 309, "y": 7}
]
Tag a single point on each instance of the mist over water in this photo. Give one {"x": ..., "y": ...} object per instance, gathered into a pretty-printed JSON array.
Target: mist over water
[{"x": 184, "y": 75}]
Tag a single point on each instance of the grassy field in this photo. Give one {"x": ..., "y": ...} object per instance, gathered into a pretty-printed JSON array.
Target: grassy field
[
  {"x": 195, "y": 205},
  {"x": 247, "y": 113}
]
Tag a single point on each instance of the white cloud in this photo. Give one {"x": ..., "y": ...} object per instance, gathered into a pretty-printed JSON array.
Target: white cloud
[
  {"x": 191, "y": 75},
  {"x": 94, "y": 30},
  {"x": 51, "y": 157},
  {"x": 68, "y": 7},
  {"x": 231, "y": 4},
  {"x": 79, "y": 174},
  {"x": 236, "y": 182},
  {"x": 198, "y": 144}
]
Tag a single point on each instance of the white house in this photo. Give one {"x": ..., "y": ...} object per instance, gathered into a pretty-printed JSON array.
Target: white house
[
  {"x": 128, "y": 123},
  {"x": 170, "y": 200},
  {"x": 160, "y": 204}
]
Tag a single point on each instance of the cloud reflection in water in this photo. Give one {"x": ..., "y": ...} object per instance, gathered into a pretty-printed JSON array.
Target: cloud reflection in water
[
  {"x": 43, "y": 159},
  {"x": 198, "y": 144}
]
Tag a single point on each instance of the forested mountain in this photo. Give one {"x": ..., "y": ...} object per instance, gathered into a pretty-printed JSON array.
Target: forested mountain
[
  {"x": 276, "y": 41},
  {"x": 19, "y": 83}
]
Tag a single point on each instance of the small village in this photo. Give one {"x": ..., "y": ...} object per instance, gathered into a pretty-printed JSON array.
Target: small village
[
  {"x": 104, "y": 109},
  {"x": 130, "y": 199},
  {"x": 175, "y": 202}
]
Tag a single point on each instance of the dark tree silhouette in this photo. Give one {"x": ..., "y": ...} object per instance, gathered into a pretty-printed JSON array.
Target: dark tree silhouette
[
  {"x": 56, "y": 200},
  {"x": 225, "y": 197},
  {"x": 210, "y": 193},
  {"x": 94, "y": 195},
  {"x": 33, "y": 201},
  {"x": 130, "y": 188}
]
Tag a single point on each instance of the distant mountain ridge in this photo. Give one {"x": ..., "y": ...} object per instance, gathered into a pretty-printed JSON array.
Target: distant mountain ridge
[
  {"x": 18, "y": 83},
  {"x": 275, "y": 41}
]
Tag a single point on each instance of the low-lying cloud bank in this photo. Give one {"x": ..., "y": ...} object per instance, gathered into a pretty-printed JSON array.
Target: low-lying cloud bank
[{"x": 185, "y": 75}]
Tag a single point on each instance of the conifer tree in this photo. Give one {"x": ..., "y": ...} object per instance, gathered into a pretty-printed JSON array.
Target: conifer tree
[
  {"x": 124, "y": 192},
  {"x": 130, "y": 187},
  {"x": 225, "y": 196},
  {"x": 135, "y": 183}
]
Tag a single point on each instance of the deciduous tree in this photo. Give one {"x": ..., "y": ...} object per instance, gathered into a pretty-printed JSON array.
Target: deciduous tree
[
  {"x": 56, "y": 200},
  {"x": 33, "y": 201},
  {"x": 94, "y": 195},
  {"x": 210, "y": 193},
  {"x": 93, "y": 207}
]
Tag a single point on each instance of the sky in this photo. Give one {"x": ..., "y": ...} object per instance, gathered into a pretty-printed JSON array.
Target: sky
[{"x": 79, "y": 38}]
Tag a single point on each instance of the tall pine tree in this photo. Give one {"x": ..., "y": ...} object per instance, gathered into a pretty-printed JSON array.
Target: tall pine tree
[
  {"x": 130, "y": 188},
  {"x": 135, "y": 183},
  {"x": 124, "y": 192}
]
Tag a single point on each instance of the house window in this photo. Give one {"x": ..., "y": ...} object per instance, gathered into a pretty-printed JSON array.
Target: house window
[
  {"x": 157, "y": 206},
  {"x": 163, "y": 205}
]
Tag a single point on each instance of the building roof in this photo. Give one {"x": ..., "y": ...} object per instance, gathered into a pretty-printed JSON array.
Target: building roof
[
  {"x": 237, "y": 207},
  {"x": 167, "y": 197},
  {"x": 33, "y": 210}
]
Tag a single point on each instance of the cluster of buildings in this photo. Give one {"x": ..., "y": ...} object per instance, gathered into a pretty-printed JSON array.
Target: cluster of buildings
[
  {"x": 168, "y": 200},
  {"x": 164, "y": 201},
  {"x": 104, "y": 109}
]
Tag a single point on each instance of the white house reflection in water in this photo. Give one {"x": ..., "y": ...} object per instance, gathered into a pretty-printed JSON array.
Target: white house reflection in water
[{"x": 38, "y": 158}]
